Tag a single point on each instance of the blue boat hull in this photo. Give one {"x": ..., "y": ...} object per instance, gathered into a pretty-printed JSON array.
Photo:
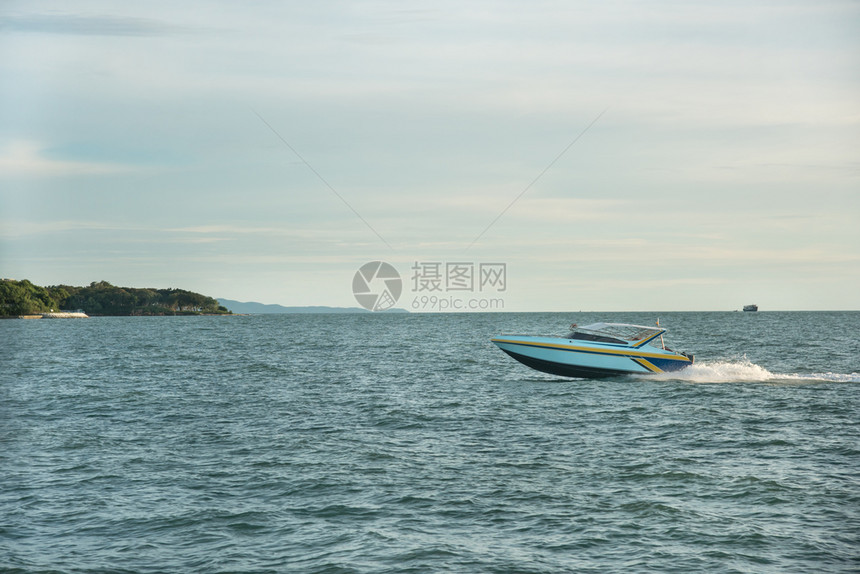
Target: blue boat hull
[{"x": 581, "y": 359}]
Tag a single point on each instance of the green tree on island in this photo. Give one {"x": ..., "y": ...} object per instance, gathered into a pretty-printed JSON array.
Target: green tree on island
[{"x": 102, "y": 298}]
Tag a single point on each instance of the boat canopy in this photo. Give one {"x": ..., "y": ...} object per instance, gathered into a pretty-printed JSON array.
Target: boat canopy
[{"x": 615, "y": 332}]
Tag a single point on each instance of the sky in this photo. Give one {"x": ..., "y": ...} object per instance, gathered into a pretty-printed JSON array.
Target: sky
[{"x": 611, "y": 156}]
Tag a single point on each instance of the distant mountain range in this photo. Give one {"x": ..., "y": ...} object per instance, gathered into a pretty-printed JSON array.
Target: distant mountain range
[{"x": 259, "y": 308}]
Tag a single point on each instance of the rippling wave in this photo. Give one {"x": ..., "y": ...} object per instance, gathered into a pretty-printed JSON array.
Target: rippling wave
[{"x": 409, "y": 443}]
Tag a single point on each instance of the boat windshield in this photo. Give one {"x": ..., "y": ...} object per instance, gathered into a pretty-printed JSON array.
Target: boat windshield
[{"x": 613, "y": 332}]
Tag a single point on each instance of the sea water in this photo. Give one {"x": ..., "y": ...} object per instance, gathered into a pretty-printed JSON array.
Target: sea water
[{"x": 409, "y": 443}]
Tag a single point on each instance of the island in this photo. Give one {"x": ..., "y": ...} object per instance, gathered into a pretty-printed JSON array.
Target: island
[{"x": 23, "y": 298}]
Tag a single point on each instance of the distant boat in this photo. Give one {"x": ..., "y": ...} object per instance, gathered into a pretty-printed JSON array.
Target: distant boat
[{"x": 750, "y": 308}]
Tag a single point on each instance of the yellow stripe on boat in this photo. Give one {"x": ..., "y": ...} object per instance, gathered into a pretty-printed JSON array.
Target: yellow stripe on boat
[
  {"x": 647, "y": 340},
  {"x": 648, "y": 365},
  {"x": 624, "y": 351}
]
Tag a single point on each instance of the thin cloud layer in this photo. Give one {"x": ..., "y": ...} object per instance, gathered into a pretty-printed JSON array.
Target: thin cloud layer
[{"x": 724, "y": 164}]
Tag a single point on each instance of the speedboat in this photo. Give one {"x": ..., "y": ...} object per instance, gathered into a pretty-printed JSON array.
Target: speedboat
[{"x": 597, "y": 350}]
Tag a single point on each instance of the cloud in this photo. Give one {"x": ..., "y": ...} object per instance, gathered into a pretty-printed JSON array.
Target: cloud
[
  {"x": 27, "y": 158},
  {"x": 15, "y": 228},
  {"x": 81, "y": 25}
]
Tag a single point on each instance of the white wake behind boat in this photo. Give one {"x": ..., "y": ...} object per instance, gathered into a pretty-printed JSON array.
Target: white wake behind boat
[{"x": 597, "y": 350}]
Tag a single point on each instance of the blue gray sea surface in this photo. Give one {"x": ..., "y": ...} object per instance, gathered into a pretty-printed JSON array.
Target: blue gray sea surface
[{"x": 409, "y": 443}]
